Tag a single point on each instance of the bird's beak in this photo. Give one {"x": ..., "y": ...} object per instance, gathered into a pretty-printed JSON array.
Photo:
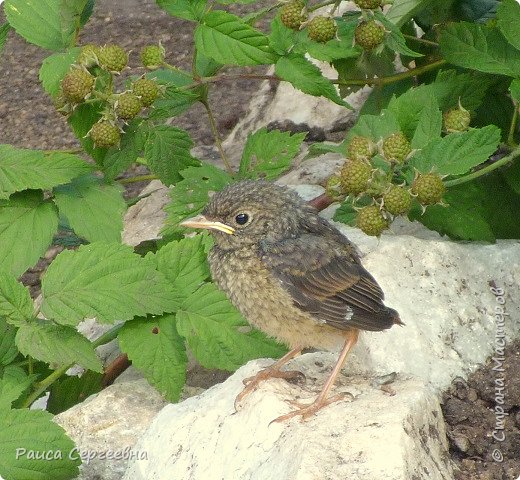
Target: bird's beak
[{"x": 200, "y": 221}]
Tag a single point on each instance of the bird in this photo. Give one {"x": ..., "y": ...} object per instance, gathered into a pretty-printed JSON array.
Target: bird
[{"x": 292, "y": 275}]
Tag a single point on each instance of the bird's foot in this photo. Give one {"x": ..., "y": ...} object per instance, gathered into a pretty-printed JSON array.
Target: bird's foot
[
  {"x": 307, "y": 410},
  {"x": 252, "y": 383}
]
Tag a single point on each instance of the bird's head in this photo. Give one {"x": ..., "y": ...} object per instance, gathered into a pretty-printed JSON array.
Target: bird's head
[{"x": 250, "y": 211}]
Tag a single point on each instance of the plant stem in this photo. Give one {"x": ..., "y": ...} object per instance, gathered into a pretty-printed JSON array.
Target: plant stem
[
  {"x": 216, "y": 136},
  {"x": 42, "y": 386},
  {"x": 485, "y": 170},
  {"x": 421, "y": 40},
  {"x": 321, "y": 4},
  {"x": 175, "y": 69},
  {"x": 138, "y": 178},
  {"x": 512, "y": 129},
  {"x": 71, "y": 150}
]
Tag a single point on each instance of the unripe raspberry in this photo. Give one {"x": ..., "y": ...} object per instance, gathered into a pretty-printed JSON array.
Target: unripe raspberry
[
  {"x": 456, "y": 120},
  {"x": 368, "y": 4},
  {"x": 152, "y": 56},
  {"x": 360, "y": 148},
  {"x": 88, "y": 55},
  {"x": 322, "y": 29},
  {"x": 292, "y": 14},
  {"x": 112, "y": 58},
  {"x": 105, "y": 134},
  {"x": 333, "y": 188},
  {"x": 396, "y": 147},
  {"x": 397, "y": 200},
  {"x": 355, "y": 176},
  {"x": 428, "y": 188},
  {"x": 371, "y": 220},
  {"x": 76, "y": 85},
  {"x": 147, "y": 91},
  {"x": 369, "y": 34},
  {"x": 128, "y": 106}
]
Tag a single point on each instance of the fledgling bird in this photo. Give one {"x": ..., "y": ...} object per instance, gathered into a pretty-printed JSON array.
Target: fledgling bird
[{"x": 292, "y": 275}]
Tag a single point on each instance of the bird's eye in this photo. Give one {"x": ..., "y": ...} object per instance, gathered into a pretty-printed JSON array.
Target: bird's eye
[{"x": 242, "y": 218}]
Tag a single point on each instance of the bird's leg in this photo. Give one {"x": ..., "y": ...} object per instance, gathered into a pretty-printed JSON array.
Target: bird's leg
[
  {"x": 322, "y": 400},
  {"x": 270, "y": 372}
]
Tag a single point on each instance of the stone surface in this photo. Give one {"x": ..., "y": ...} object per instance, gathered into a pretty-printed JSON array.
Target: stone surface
[{"x": 371, "y": 435}]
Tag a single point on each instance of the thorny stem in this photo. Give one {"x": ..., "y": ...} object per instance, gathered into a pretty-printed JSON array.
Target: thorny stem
[
  {"x": 42, "y": 386},
  {"x": 512, "y": 129},
  {"x": 321, "y": 4},
  {"x": 138, "y": 178},
  {"x": 421, "y": 40},
  {"x": 216, "y": 136},
  {"x": 335, "y": 7},
  {"x": 485, "y": 170}
]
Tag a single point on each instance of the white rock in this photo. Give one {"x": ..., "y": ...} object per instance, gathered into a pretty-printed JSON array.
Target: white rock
[{"x": 373, "y": 436}]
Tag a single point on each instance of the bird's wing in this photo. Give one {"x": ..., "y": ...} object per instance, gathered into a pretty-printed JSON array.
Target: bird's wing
[{"x": 327, "y": 281}]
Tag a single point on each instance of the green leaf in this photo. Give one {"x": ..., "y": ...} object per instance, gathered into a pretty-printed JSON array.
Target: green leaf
[
  {"x": 54, "y": 68},
  {"x": 267, "y": 154},
  {"x": 13, "y": 383},
  {"x": 103, "y": 280},
  {"x": 479, "y": 47},
  {"x": 281, "y": 38},
  {"x": 187, "y": 9},
  {"x": 395, "y": 40},
  {"x": 70, "y": 391},
  {"x": 157, "y": 350},
  {"x": 508, "y": 15},
  {"x": 81, "y": 121},
  {"x": 375, "y": 127},
  {"x": 8, "y": 350},
  {"x": 184, "y": 264},
  {"x": 514, "y": 89},
  {"x": 403, "y": 10},
  {"x": 93, "y": 208},
  {"x": 4, "y": 31},
  {"x": 58, "y": 345},
  {"x": 225, "y": 38},
  {"x": 15, "y": 302},
  {"x": 306, "y": 77},
  {"x": 27, "y": 225},
  {"x": 457, "y": 153},
  {"x": 22, "y": 169},
  {"x": 49, "y": 24},
  {"x": 478, "y": 11},
  {"x": 346, "y": 213},
  {"x": 167, "y": 151},
  {"x": 429, "y": 125},
  {"x": 212, "y": 328},
  {"x": 189, "y": 196},
  {"x": 25, "y": 431}
]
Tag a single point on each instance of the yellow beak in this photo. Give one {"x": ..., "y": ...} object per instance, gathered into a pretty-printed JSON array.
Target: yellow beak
[{"x": 200, "y": 221}]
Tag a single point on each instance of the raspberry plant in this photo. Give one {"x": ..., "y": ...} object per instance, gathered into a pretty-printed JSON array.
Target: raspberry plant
[{"x": 407, "y": 162}]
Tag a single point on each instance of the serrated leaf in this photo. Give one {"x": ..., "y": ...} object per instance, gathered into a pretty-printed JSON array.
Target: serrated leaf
[
  {"x": 403, "y": 10},
  {"x": 25, "y": 431},
  {"x": 457, "y": 153},
  {"x": 346, "y": 213},
  {"x": 429, "y": 125},
  {"x": 267, "y": 154},
  {"x": 81, "y": 121},
  {"x": 27, "y": 225},
  {"x": 306, "y": 77},
  {"x": 172, "y": 103},
  {"x": 4, "y": 31},
  {"x": 103, "y": 280},
  {"x": 211, "y": 326},
  {"x": 47, "y": 23},
  {"x": 514, "y": 89},
  {"x": 184, "y": 264},
  {"x": 158, "y": 351},
  {"x": 478, "y": 11},
  {"x": 22, "y": 169},
  {"x": 508, "y": 16},
  {"x": 375, "y": 127},
  {"x": 15, "y": 302},
  {"x": 322, "y": 148},
  {"x": 187, "y": 9},
  {"x": 58, "y": 345},
  {"x": 167, "y": 151},
  {"x": 480, "y": 48},
  {"x": 8, "y": 350},
  {"x": 93, "y": 208},
  {"x": 54, "y": 68},
  {"x": 281, "y": 38},
  {"x": 69, "y": 391},
  {"x": 13, "y": 383},
  {"x": 228, "y": 40},
  {"x": 189, "y": 196},
  {"x": 395, "y": 39}
]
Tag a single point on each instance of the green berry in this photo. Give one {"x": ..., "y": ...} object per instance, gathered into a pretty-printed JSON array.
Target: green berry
[
  {"x": 147, "y": 91},
  {"x": 128, "y": 106},
  {"x": 397, "y": 200},
  {"x": 112, "y": 58},
  {"x": 396, "y": 147},
  {"x": 105, "y": 134},
  {"x": 333, "y": 188},
  {"x": 355, "y": 176},
  {"x": 322, "y": 29},
  {"x": 76, "y": 85},
  {"x": 428, "y": 188},
  {"x": 456, "y": 120},
  {"x": 152, "y": 56},
  {"x": 292, "y": 14},
  {"x": 88, "y": 55},
  {"x": 371, "y": 220},
  {"x": 368, "y": 4},
  {"x": 369, "y": 34},
  {"x": 360, "y": 148}
]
